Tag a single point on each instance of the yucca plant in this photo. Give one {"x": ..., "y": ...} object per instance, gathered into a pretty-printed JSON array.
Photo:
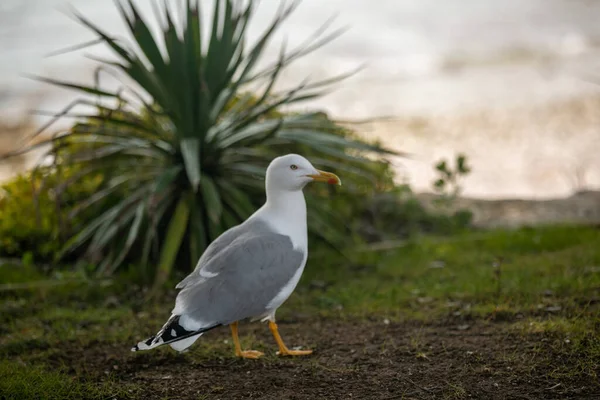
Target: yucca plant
[{"x": 182, "y": 145}]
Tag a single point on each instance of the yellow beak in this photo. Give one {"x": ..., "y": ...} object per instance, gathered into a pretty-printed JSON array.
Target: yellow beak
[{"x": 328, "y": 177}]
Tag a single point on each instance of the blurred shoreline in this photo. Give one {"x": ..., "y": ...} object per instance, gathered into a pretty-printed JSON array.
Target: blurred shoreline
[{"x": 582, "y": 208}]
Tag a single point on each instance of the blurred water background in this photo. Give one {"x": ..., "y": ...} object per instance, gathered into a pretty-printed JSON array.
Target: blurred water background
[{"x": 512, "y": 84}]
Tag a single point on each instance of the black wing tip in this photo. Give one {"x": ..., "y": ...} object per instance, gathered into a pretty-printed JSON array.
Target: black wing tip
[
  {"x": 171, "y": 332},
  {"x": 147, "y": 343}
]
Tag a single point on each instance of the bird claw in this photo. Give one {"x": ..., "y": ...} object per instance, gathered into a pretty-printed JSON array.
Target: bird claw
[
  {"x": 251, "y": 354},
  {"x": 286, "y": 352}
]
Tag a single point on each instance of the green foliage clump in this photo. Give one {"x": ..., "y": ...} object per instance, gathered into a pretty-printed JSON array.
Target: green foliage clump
[
  {"x": 399, "y": 214},
  {"x": 155, "y": 174},
  {"x": 183, "y": 166},
  {"x": 23, "y": 224},
  {"x": 181, "y": 153},
  {"x": 33, "y": 213}
]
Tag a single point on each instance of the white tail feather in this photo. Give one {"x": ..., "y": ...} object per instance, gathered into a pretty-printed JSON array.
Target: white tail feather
[{"x": 183, "y": 344}]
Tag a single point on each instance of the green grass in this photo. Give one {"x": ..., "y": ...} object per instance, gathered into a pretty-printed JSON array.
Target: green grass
[
  {"x": 21, "y": 382},
  {"x": 575, "y": 338},
  {"x": 527, "y": 270},
  {"x": 545, "y": 290}
]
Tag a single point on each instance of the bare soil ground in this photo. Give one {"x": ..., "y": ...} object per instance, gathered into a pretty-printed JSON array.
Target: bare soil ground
[{"x": 353, "y": 359}]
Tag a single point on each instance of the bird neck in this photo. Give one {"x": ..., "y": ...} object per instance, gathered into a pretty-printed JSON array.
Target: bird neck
[
  {"x": 287, "y": 204},
  {"x": 286, "y": 212}
]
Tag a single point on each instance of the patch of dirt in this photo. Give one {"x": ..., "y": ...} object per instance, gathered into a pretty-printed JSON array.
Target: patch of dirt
[{"x": 352, "y": 360}]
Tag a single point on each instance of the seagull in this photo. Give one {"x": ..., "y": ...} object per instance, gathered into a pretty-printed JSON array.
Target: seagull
[{"x": 250, "y": 270}]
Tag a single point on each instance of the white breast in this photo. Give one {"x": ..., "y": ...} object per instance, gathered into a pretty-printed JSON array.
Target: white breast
[
  {"x": 287, "y": 290},
  {"x": 298, "y": 236},
  {"x": 287, "y": 218}
]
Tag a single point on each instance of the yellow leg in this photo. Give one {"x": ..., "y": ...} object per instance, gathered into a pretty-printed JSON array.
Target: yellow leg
[
  {"x": 238, "y": 348},
  {"x": 283, "y": 350}
]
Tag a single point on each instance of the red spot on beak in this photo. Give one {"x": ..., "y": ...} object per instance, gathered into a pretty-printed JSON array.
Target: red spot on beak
[{"x": 332, "y": 181}]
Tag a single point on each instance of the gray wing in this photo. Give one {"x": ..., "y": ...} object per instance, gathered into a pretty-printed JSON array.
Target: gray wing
[
  {"x": 212, "y": 250},
  {"x": 252, "y": 270}
]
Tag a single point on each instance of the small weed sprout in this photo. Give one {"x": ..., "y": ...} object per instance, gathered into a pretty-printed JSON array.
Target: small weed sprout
[
  {"x": 447, "y": 185},
  {"x": 497, "y": 270}
]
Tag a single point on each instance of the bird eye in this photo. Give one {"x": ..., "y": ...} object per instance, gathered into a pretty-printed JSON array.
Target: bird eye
[{"x": 293, "y": 167}]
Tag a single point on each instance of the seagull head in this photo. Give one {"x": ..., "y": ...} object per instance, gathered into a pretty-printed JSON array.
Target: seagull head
[{"x": 292, "y": 172}]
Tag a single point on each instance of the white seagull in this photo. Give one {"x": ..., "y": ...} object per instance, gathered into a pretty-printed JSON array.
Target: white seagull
[{"x": 251, "y": 269}]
